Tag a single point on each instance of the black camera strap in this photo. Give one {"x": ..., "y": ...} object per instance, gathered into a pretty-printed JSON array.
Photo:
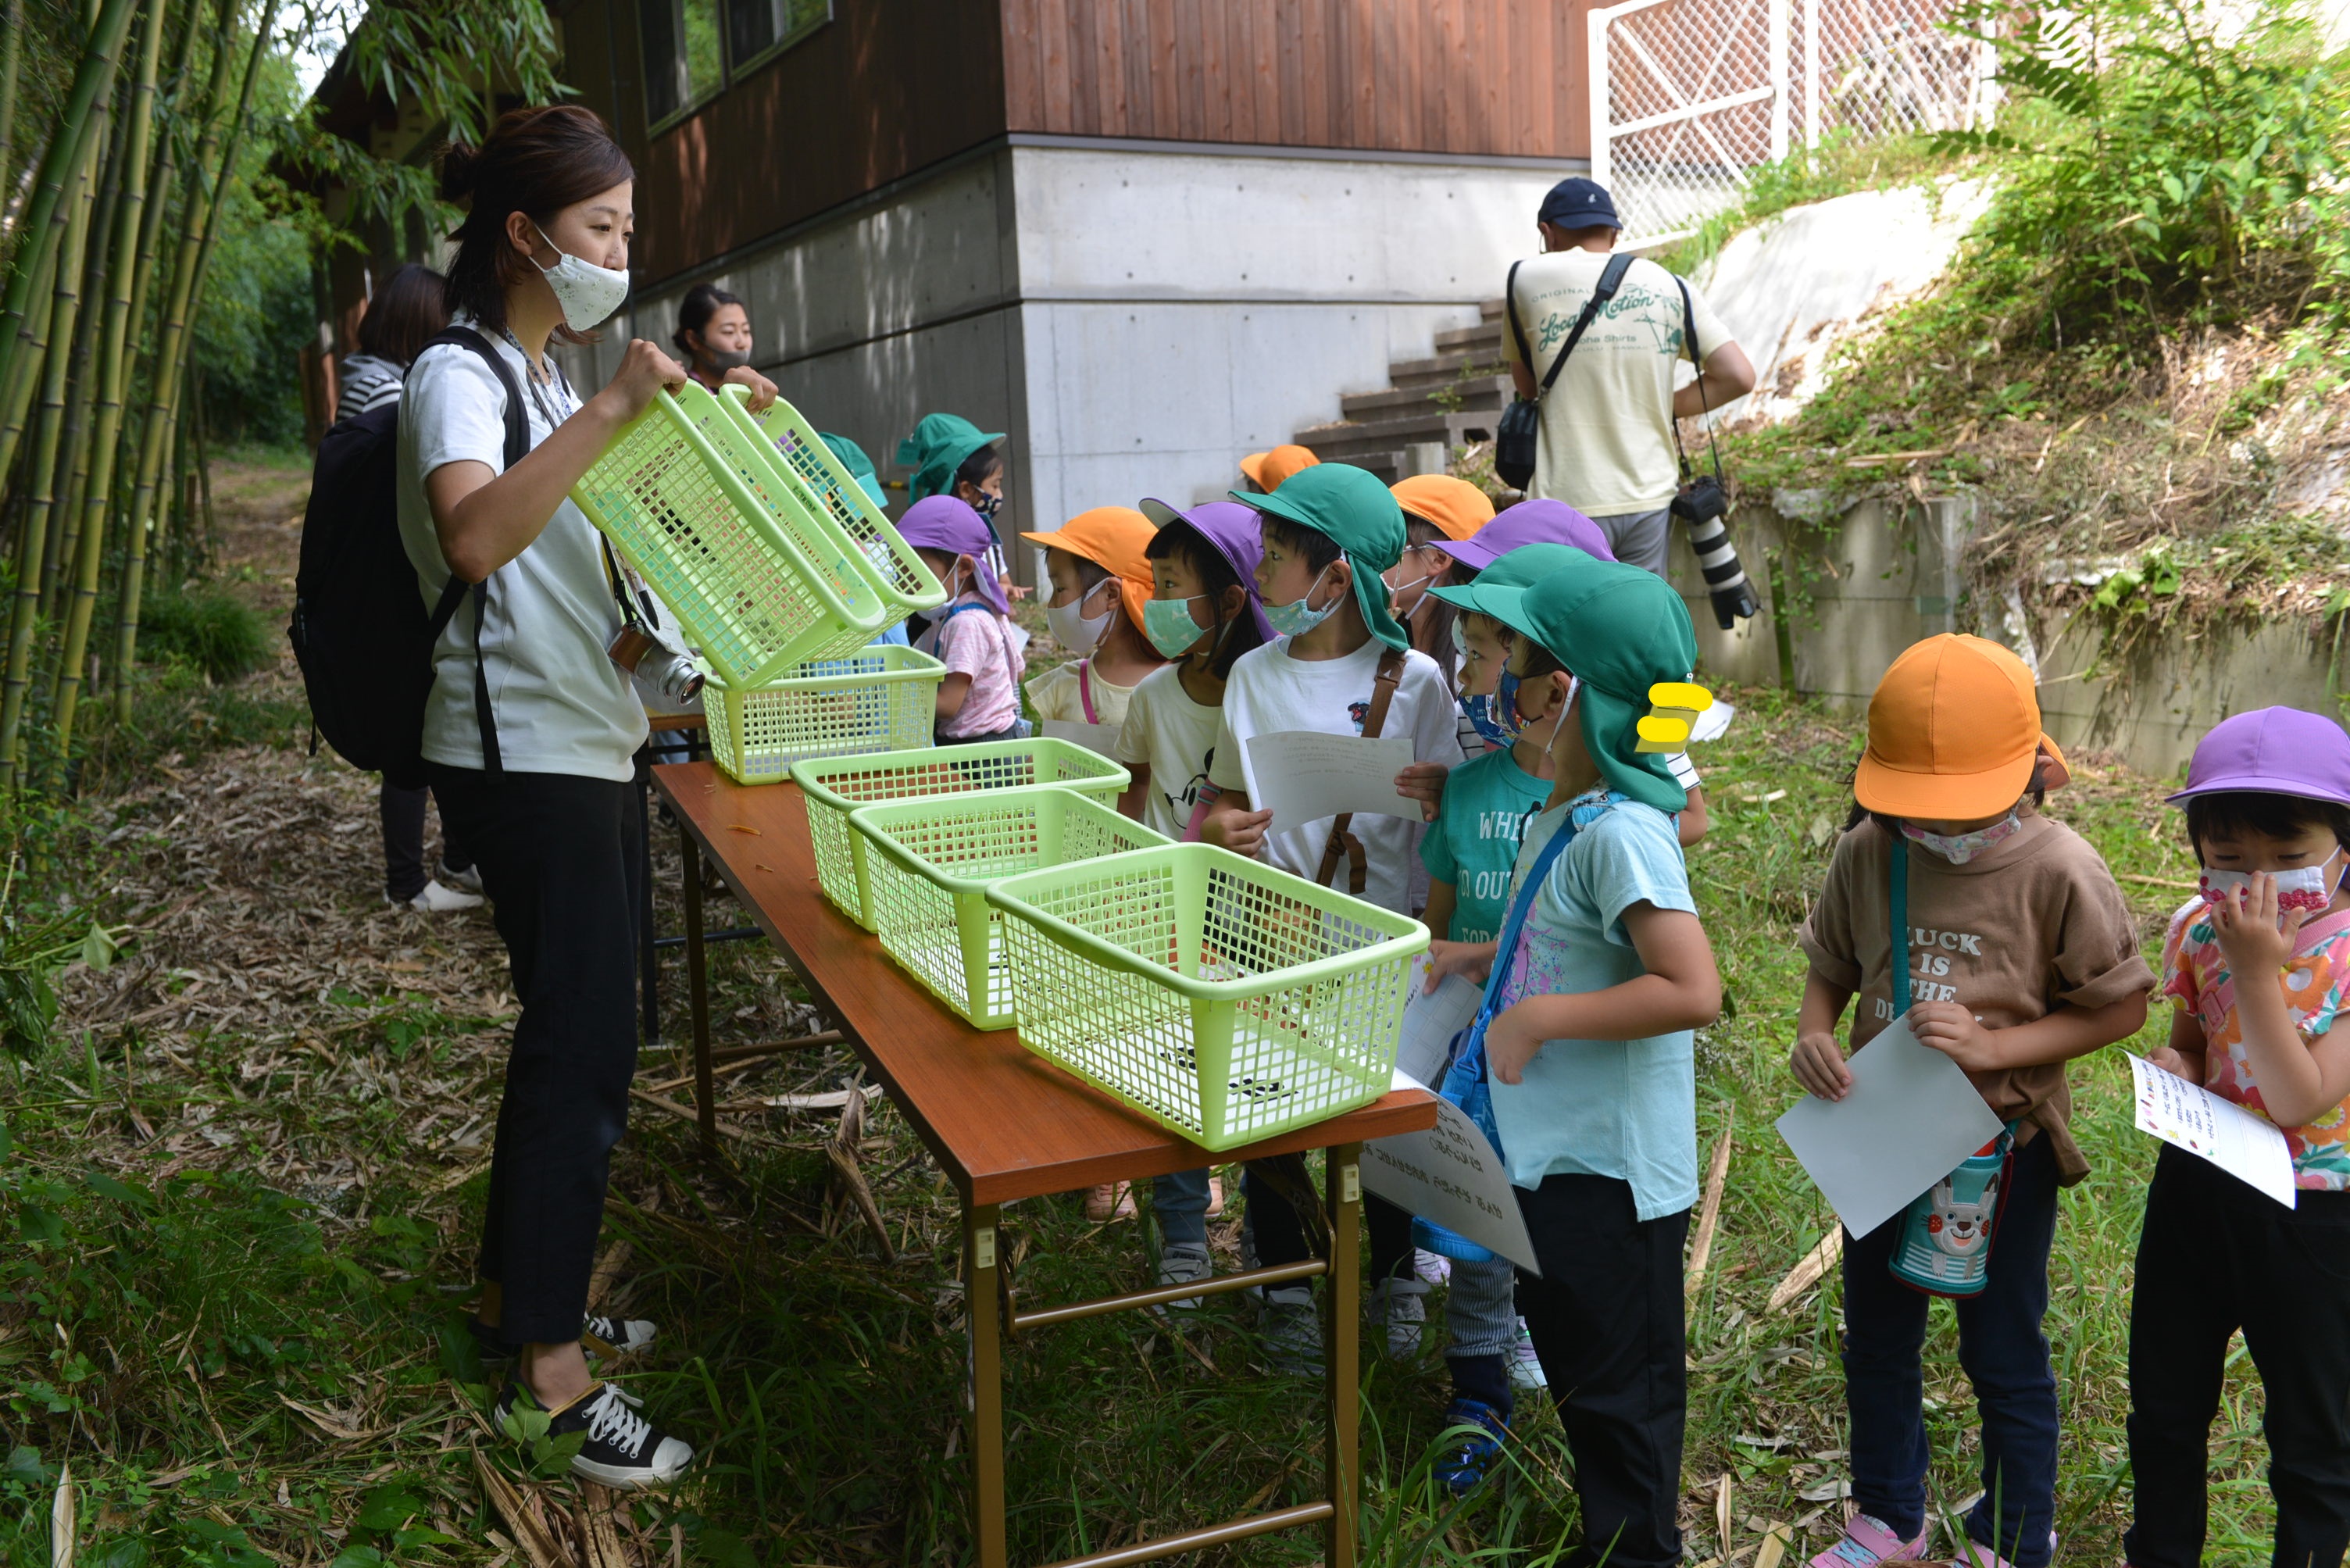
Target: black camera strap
[{"x": 1688, "y": 333}]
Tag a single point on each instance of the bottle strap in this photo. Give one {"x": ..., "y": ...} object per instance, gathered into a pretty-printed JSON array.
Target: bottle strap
[
  {"x": 1506, "y": 953},
  {"x": 1085, "y": 689},
  {"x": 1897, "y": 900},
  {"x": 1343, "y": 841}
]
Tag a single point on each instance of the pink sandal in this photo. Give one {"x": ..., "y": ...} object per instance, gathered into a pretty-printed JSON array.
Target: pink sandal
[{"x": 1869, "y": 1541}]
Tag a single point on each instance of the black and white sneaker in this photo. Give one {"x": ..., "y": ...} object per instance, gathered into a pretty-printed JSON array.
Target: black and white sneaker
[
  {"x": 610, "y": 1337},
  {"x": 622, "y": 1450}
]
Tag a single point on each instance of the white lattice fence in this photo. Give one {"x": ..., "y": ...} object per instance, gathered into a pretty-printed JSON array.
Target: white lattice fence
[{"x": 1690, "y": 96}]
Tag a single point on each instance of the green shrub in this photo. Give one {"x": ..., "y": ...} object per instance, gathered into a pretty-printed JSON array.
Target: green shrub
[{"x": 208, "y": 629}]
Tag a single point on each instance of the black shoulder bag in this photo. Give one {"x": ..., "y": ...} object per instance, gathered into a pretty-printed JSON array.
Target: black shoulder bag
[
  {"x": 1519, "y": 434},
  {"x": 1703, "y": 501}
]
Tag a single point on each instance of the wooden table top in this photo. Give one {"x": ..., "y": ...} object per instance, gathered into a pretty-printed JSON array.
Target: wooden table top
[{"x": 1004, "y": 1122}]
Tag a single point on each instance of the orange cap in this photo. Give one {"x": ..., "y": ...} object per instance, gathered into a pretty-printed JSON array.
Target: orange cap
[
  {"x": 1266, "y": 470},
  {"x": 1113, "y": 538},
  {"x": 1953, "y": 731},
  {"x": 1455, "y": 506}
]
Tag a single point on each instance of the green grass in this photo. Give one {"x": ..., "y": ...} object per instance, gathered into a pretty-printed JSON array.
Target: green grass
[{"x": 162, "y": 1300}]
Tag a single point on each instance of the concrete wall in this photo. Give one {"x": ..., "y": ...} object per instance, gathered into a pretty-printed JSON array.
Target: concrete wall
[
  {"x": 1887, "y": 577},
  {"x": 1134, "y": 317}
]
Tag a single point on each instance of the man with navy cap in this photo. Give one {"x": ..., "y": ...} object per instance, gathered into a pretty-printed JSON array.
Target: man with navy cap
[{"x": 1606, "y": 444}]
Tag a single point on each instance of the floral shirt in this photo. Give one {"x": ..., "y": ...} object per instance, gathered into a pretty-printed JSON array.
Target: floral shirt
[{"x": 2195, "y": 976}]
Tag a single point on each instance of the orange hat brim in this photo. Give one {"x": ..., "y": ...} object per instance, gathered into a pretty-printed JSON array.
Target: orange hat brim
[{"x": 1940, "y": 796}]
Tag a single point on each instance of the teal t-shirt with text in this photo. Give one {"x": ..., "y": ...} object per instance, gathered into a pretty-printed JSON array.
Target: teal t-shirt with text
[{"x": 1473, "y": 842}]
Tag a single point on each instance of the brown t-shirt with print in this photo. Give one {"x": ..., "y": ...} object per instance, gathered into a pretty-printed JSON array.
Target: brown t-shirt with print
[{"x": 2033, "y": 923}]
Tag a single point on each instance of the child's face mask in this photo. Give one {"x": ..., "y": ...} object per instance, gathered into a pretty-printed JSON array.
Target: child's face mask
[
  {"x": 2309, "y": 888},
  {"x": 1958, "y": 848},
  {"x": 1298, "y": 616}
]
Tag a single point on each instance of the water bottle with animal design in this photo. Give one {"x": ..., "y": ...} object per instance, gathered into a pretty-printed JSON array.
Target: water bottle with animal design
[{"x": 1944, "y": 1248}]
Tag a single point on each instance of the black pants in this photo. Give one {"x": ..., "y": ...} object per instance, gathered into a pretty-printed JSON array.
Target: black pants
[
  {"x": 561, "y": 856},
  {"x": 1279, "y": 1239},
  {"x": 1606, "y": 1317},
  {"x": 2216, "y": 1256},
  {"x": 403, "y": 811}
]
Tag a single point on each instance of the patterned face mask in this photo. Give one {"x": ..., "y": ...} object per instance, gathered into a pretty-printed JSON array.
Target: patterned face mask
[
  {"x": 2303, "y": 888},
  {"x": 1958, "y": 848}
]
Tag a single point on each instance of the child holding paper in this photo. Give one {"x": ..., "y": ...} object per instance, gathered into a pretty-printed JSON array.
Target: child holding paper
[
  {"x": 1342, "y": 666},
  {"x": 1204, "y": 616},
  {"x": 972, "y": 632},
  {"x": 1584, "y": 1046},
  {"x": 1101, "y": 583},
  {"x": 2022, "y": 957},
  {"x": 2267, "y": 811}
]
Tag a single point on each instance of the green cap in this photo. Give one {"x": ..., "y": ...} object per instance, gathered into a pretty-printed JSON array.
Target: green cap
[
  {"x": 1360, "y": 516},
  {"x": 937, "y": 448},
  {"x": 1620, "y": 629},
  {"x": 860, "y": 467}
]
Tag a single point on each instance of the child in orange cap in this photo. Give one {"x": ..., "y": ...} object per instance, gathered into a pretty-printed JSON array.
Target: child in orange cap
[
  {"x": 1100, "y": 582},
  {"x": 1437, "y": 510},
  {"x": 1266, "y": 470},
  {"x": 2023, "y": 957}
]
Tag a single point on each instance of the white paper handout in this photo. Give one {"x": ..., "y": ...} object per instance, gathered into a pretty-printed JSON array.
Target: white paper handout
[
  {"x": 1713, "y": 723},
  {"x": 2246, "y": 1146},
  {"x": 1098, "y": 739},
  {"x": 1303, "y": 775},
  {"x": 1431, "y": 1020},
  {"x": 1449, "y": 1176},
  {"x": 1909, "y": 1118}
]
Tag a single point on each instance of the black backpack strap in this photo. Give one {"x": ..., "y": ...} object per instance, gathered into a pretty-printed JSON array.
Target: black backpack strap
[
  {"x": 1611, "y": 278},
  {"x": 518, "y": 447},
  {"x": 1510, "y": 308}
]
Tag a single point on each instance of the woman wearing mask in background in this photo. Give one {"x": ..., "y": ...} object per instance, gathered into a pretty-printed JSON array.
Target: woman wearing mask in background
[
  {"x": 402, "y": 317},
  {"x": 712, "y": 336},
  {"x": 532, "y": 731}
]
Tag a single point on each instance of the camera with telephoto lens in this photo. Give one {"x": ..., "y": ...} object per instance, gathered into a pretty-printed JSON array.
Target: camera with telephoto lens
[
  {"x": 1702, "y": 504},
  {"x": 672, "y": 674}
]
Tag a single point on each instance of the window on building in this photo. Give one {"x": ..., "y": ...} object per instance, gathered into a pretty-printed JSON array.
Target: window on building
[
  {"x": 757, "y": 28},
  {"x": 684, "y": 62}
]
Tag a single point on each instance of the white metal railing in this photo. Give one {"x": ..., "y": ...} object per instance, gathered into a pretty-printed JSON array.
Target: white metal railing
[{"x": 1689, "y": 97}]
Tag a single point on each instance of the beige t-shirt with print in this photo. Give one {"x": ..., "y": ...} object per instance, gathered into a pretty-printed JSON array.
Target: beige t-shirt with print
[
  {"x": 2033, "y": 923},
  {"x": 1607, "y": 445},
  {"x": 1055, "y": 695}
]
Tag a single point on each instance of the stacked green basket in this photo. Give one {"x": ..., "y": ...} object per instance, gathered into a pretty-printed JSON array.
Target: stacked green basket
[
  {"x": 928, "y": 865},
  {"x": 1227, "y": 1000},
  {"x": 883, "y": 698},
  {"x": 833, "y": 787}
]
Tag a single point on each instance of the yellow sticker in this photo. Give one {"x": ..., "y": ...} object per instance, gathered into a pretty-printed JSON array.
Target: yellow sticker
[
  {"x": 1665, "y": 730},
  {"x": 1680, "y": 694}
]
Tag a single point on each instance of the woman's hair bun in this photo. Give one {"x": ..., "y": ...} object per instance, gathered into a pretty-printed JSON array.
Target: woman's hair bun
[{"x": 458, "y": 164}]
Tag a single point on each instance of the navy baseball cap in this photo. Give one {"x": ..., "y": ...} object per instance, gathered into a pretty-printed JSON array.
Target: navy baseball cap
[{"x": 1579, "y": 203}]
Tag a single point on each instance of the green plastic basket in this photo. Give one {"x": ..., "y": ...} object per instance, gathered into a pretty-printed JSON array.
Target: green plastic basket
[
  {"x": 759, "y": 582},
  {"x": 828, "y": 489},
  {"x": 879, "y": 698},
  {"x": 835, "y": 787},
  {"x": 928, "y": 865},
  {"x": 1225, "y": 999}
]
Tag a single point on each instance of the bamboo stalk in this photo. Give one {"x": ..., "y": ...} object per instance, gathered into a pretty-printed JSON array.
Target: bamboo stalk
[
  {"x": 68, "y": 150},
  {"x": 82, "y": 350},
  {"x": 12, "y": 36},
  {"x": 185, "y": 285}
]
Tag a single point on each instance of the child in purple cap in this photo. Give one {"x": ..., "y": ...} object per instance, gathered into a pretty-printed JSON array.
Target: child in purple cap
[
  {"x": 2267, "y": 811},
  {"x": 973, "y": 633},
  {"x": 1204, "y": 613}
]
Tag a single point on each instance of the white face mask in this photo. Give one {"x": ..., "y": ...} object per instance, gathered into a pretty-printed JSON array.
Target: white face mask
[
  {"x": 589, "y": 293},
  {"x": 2303, "y": 888},
  {"x": 1075, "y": 631}
]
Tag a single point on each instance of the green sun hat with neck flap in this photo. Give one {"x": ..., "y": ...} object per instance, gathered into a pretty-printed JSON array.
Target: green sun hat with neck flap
[
  {"x": 1620, "y": 629},
  {"x": 1360, "y": 516},
  {"x": 937, "y": 448}
]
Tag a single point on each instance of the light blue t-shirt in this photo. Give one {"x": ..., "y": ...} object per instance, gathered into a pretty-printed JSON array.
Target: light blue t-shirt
[
  {"x": 1621, "y": 1108},
  {"x": 1473, "y": 845}
]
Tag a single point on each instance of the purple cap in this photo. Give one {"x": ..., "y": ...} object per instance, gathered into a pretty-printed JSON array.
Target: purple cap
[
  {"x": 943, "y": 522},
  {"x": 1527, "y": 523},
  {"x": 1237, "y": 532},
  {"x": 2276, "y": 750}
]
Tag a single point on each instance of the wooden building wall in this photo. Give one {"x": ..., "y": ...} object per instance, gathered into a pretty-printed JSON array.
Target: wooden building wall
[{"x": 1463, "y": 77}]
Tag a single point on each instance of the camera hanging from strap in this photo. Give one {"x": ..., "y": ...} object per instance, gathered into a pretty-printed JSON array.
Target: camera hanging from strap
[
  {"x": 1343, "y": 841},
  {"x": 1703, "y": 501}
]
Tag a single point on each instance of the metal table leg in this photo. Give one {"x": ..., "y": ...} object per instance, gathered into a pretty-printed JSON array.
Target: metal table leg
[
  {"x": 705, "y": 1093},
  {"x": 1343, "y": 1335},
  {"x": 981, "y": 1281}
]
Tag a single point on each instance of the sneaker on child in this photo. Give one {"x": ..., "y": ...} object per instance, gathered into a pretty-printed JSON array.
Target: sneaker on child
[
  {"x": 436, "y": 900},
  {"x": 1291, "y": 1328},
  {"x": 1181, "y": 1263},
  {"x": 621, "y": 1447},
  {"x": 1869, "y": 1541},
  {"x": 469, "y": 881},
  {"x": 1526, "y": 1367},
  {"x": 1396, "y": 1306},
  {"x": 1111, "y": 1201},
  {"x": 1469, "y": 1457}
]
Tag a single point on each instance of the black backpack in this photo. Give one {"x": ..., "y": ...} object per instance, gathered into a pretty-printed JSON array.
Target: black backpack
[{"x": 359, "y": 630}]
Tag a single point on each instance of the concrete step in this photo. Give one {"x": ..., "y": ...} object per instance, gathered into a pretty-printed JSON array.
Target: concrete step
[
  {"x": 1485, "y": 336},
  {"x": 1406, "y": 374},
  {"x": 1477, "y": 394},
  {"x": 1380, "y": 438}
]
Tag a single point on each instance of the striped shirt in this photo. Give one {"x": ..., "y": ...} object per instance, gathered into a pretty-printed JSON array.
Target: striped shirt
[{"x": 368, "y": 382}]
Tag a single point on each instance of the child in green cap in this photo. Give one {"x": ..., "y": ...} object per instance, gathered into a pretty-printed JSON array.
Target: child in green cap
[
  {"x": 1585, "y": 1044},
  {"x": 1341, "y": 665}
]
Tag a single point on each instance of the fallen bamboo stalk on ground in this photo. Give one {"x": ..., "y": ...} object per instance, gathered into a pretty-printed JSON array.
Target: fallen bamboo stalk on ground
[
  {"x": 538, "y": 1543},
  {"x": 1806, "y": 1274},
  {"x": 1710, "y": 1214}
]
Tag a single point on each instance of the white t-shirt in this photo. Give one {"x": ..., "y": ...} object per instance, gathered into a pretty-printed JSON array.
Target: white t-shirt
[
  {"x": 1607, "y": 445},
  {"x": 1176, "y": 738},
  {"x": 1269, "y": 691},
  {"x": 1054, "y": 695},
  {"x": 561, "y": 705}
]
